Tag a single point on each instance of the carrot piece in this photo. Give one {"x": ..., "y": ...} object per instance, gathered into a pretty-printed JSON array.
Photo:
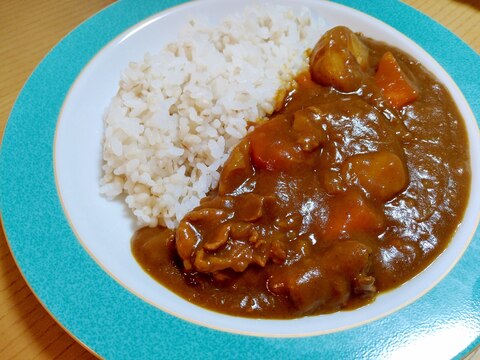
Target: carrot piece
[
  {"x": 304, "y": 78},
  {"x": 349, "y": 214},
  {"x": 395, "y": 85}
]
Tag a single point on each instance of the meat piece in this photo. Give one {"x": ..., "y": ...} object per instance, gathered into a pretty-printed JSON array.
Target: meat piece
[
  {"x": 210, "y": 239},
  {"x": 328, "y": 281},
  {"x": 306, "y": 122},
  {"x": 249, "y": 207},
  {"x": 236, "y": 169},
  {"x": 236, "y": 255},
  {"x": 364, "y": 284},
  {"x": 231, "y": 230},
  {"x": 273, "y": 149},
  {"x": 188, "y": 238},
  {"x": 358, "y": 129}
]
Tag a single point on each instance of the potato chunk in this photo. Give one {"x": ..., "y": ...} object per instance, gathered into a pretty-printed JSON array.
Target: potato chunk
[
  {"x": 339, "y": 59},
  {"x": 381, "y": 174}
]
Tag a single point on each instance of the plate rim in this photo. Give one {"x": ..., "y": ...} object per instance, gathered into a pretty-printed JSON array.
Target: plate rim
[{"x": 16, "y": 249}]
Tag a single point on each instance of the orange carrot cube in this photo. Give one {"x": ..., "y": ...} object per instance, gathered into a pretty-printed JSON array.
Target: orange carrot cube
[{"x": 395, "y": 85}]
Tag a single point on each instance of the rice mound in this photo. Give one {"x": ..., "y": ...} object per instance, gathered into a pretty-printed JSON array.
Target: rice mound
[{"x": 177, "y": 114}]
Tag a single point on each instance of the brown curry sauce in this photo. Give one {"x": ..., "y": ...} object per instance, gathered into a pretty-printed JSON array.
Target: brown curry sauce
[{"x": 347, "y": 191}]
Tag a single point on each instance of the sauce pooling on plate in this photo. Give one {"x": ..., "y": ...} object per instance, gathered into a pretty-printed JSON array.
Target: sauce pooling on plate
[{"x": 352, "y": 188}]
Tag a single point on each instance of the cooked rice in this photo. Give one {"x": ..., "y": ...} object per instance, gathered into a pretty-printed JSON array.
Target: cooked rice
[{"x": 177, "y": 114}]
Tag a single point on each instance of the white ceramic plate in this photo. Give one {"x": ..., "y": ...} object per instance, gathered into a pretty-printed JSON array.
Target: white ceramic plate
[{"x": 67, "y": 147}]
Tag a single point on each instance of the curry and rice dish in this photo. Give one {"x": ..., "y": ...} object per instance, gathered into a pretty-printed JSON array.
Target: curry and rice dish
[{"x": 352, "y": 186}]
